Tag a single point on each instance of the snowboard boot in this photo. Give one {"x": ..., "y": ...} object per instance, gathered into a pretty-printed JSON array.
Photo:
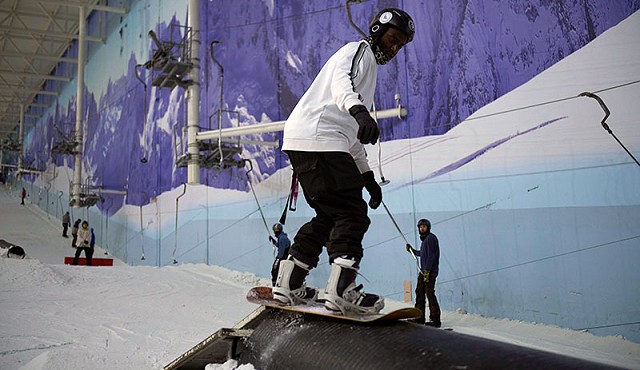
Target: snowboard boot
[
  {"x": 290, "y": 288},
  {"x": 343, "y": 296}
]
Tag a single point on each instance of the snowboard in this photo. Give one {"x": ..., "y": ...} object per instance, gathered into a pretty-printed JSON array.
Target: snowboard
[{"x": 263, "y": 295}]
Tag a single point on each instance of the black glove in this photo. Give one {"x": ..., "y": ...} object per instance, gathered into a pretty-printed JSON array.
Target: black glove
[
  {"x": 373, "y": 188},
  {"x": 272, "y": 240},
  {"x": 368, "y": 131}
]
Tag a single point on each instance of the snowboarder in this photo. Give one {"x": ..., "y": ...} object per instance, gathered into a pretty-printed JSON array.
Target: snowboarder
[
  {"x": 66, "y": 220},
  {"x": 324, "y": 138},
  {"x": 82, "y": 244},
  {"x": 282, "y": 244},
  {"x": 429, "y": 254},
  {"x": 23, "y": 195}
]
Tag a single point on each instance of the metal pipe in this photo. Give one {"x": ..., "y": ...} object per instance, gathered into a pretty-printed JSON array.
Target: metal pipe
[
  {"x": 21, "y": 141},
  {"x": 77, "y": 165},
  {"x": 193, "y": 96},
  {"x": 109, "y": 191},
  {"x": 397, "y": 112},
  {"x": 106, "y": 232},
  {"x": 142, "y": 226}
]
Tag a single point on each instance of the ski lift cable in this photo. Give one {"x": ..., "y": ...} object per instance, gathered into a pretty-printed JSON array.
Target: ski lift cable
[
  {"x": 604, "y": 123},
  {"x": 144, "y": 127},
  {"x": 402, "y": 234},
  {"x": 348, "y": 7},
  {"x": 175, "y": 237},
  {"x": 264, "y": 221},
  {"x": 221, "y": 97}
]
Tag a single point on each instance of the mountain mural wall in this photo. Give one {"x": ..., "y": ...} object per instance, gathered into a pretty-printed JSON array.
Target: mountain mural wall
[{"x": 446, "y": 159}]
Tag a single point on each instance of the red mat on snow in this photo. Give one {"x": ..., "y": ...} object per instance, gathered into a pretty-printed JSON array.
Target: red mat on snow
[{"x": 94, "y": 261}]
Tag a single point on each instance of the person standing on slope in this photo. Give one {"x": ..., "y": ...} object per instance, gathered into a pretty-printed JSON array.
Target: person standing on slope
[
  {"x": 74, "y": 233},
  {"x": 66, "y": 220},
  {"x": 83, "y": 244},
  {"x": 429, "y": 254},
  {"x": 282, "y": 243},
  {"x": 324, "y": 138}
]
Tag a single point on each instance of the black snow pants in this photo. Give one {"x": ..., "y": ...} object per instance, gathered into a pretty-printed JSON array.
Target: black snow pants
[
  {"x": 429, "y": 290},
  {"x": 88, "y": 253},
  {"x": 332, "y": 186}
]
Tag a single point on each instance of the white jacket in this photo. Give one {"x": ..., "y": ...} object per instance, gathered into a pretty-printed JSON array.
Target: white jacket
[
  {"x": 83, "y": 235},
  {"x": 321, "y": 122}
]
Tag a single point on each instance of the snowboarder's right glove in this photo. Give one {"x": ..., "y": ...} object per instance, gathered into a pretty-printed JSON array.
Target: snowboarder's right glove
[
  {"x": 410, "y": 249},
  {"x": 373, "y": 188},
  {"x": 425, "y": 276},
  {"x": 272, "y": 240},
  {"x": 368, "y": 131}
]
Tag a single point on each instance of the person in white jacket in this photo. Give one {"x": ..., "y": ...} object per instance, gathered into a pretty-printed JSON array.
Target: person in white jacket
[
  {"x": 324, "y": 138},
  {"x": 83, "y": 243}
]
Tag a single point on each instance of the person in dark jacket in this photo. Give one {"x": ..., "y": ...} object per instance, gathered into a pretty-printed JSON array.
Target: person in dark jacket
[
  {"x": 282, "y": 243},
  {"x": 23, "y": 195},
  {"x": 92, "y": 245},
  {"x": 429, "y": 260},
  {"x": 66, "y": 220},
  {"x": 74, "y": 232}
]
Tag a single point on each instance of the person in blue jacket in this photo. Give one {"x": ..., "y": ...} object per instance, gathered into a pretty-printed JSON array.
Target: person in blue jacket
[
  {"x": 429, "y": 260},
  {"x": 282, "y": 243}
]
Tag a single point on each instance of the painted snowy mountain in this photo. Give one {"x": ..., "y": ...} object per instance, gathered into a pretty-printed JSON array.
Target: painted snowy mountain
[{"x": 460, "y": 60}]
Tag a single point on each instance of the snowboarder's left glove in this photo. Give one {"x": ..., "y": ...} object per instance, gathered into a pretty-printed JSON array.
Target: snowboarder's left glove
[
  {"x": 368, "y": 130},
  {"x": 272, "y": 240},
  {"x": 373, "y": 188},
  {"x": 425, "y": 276}
]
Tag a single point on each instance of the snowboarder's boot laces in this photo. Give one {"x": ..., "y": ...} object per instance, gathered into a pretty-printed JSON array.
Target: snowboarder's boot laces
[
  {"x": 290, "y": 288},
  {"x": 343, "y": 296}
]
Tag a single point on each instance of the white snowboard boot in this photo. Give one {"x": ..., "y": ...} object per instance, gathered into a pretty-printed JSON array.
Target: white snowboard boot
[
  {"x": 342, "y": 295},
  {"x": 290, "y": 288}
]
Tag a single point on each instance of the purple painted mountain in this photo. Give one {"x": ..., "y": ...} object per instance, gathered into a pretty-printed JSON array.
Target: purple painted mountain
[{"x": 464, "y": 55}]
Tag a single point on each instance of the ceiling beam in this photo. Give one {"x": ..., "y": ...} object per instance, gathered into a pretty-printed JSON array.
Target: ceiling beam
[
  {"x": 37, "y": 14},
  {"x": 90, "y": 5},
  {"x": 51, "y": 58},
  {"x": 36, "y": 75},
  {"x": 9, "y": 31},
  {"x": 30, "y": 91}
]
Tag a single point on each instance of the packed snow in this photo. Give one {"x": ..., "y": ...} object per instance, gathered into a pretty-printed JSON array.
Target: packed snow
[{"x": 56, "y": 316}]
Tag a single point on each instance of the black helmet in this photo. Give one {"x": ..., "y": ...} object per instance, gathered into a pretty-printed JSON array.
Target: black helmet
[
  {"x": 424, "y": 221},
  {"x": 277, "y": 226},
  {"x": 392, "y": 17}
]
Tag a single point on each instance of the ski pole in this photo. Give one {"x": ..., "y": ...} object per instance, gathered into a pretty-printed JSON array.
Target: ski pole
[{"x": 401, "y": 234}]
